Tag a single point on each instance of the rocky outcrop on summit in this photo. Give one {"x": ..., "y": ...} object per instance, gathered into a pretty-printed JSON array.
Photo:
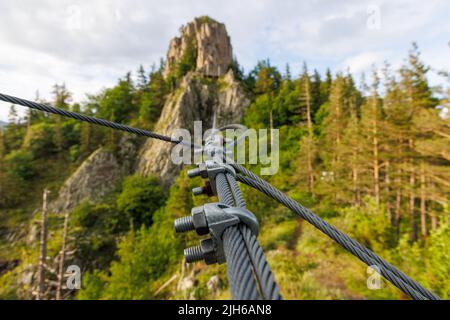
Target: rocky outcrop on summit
[
  {"x": 210, "y": 88},
  {"x": 212, "y": 43}
]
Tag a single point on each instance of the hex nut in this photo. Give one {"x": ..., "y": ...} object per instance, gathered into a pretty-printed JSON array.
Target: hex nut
[
  {"x": 199, "y": 219},
  {"x": 209, "y": 252}
]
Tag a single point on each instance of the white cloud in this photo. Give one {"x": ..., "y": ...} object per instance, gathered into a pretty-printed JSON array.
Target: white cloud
[
  {"x": 363, "y": 61},
  {"x": 89, "y": 44}
]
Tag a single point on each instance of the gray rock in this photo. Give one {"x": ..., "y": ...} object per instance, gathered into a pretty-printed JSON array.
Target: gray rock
[
  {"x": 214, "y": 285},
  {"x": 193, "y": 100},
  {"x": 213, "y": 45},
  {"x": 95, "y": 178}
]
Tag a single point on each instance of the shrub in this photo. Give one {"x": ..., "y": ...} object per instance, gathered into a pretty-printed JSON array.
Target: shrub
[
  {"x": 140, "y": 198},
  {"x": 20, "y": 164},
  {"x": 39, "y": 139}
]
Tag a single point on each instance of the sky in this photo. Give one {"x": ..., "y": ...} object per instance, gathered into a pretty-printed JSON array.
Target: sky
[{"x": 90, "y": 44}]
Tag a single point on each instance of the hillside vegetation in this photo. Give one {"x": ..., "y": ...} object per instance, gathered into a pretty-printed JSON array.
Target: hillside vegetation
[{"x": 372, "y": 159}]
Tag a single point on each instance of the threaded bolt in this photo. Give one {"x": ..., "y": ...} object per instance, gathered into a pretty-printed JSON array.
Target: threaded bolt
[
  {"x": 194, "y": 173},
  {"x": 198, "y": 191},
  {"x": 193, "y": 254},
  {"x": 184, "y": 224}
]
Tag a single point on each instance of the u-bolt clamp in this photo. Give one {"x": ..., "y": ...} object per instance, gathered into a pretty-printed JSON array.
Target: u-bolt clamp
[
  {"x": 213, "y": 219},
  {"x": 210, "y": 169}
]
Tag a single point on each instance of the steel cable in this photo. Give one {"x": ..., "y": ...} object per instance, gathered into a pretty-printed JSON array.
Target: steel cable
[
  {"x": 239, "y": 266},
  {"x": 266, "y": 280},
  {"x": 85, "y": 118},
  {"x": 229, "y": 193},
  {"x": 404, "y": 283}
]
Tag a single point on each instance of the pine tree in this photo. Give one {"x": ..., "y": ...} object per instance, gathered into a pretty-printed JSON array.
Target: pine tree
[
  {"x": 396, "y": 120},
  {"x": 404, "y": 101},
  {"x": 317, "y": 98},
  {"x": 371, "y": 119},
  {"x": 334, "y": 125},
  {"x": 433, "y": 145},
  {"x": 325, "y": 86},
  {"x": 268, "y": 79},
  {"x": 85, "y": 139},
  {"x": 61, "y": 99},
  {"x": 142, "y": 81},
  {"x": 308, "y": 140},
  {"x": 61, "y": 96},
  {"x": 354, "y": 161},
  {"x": 153, "y": 98}
]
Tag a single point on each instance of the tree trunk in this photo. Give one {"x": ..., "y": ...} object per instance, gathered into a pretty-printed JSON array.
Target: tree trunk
[
  {"x": 387, "y": 180},
  {"x": 62, "y": 258},
  {"x": 423, "y": 210},
  {"x": 434, "y": 222},
  {"x": 376, "y": 165},
  {"x": 398, "y": 203},
  {"x": 43, "y": 243},
  {"x": 355, "y": 175},
  {"x": 310, "y": 166},
  {"x": 412, "y": 198},
  {"x": 310, "y": 137},
  {"x": 412, "y": 211}
]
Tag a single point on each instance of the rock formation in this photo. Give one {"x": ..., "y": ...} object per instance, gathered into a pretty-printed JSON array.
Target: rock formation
[
  {"x": 212, "y": 45},
  {"x": 96, "y": 177},
  {"x": 211, "y": 87}
]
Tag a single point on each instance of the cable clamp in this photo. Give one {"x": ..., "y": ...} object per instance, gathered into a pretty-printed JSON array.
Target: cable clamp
[
  {"x": 213, "y": 219},
  {"x": 210, "y": 169}
]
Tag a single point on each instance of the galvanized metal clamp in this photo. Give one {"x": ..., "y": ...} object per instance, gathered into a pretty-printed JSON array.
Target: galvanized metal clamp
[
  {"x": 210, "y": 169},
  {"x": 213, "y": 219}
]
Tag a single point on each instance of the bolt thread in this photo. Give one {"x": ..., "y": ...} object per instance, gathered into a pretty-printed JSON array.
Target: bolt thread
[
  {"x": 193, "y": 254},
  {"x": 184, "y": 224},
  {"x": 198, "y": 191},
  {"x": 193, "y": 173}
]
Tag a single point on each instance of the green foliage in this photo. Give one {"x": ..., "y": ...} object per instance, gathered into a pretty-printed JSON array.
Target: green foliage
[
  {"x": 117, "y": 103},
  {"x": 140, "y": 198},
  {"x": 205, "y": 19},
  {"x": 74, "y": 153},
  {"x": 152, "y": 98},
  {"x": 127, "y": 245},
  {"x": 19, "y": 164},
  {"x": 39, "y": 139},
  {"x": 93, "y": 285},
  {"x": 428, "y": 262},
  {"x": 144, "y": 257},
  {"x": 257, "y": 114},
  {"x": 8, "y": 286},
  {"x": 147, "y": 254},
  {"x": 268, "y": 78},
  {"x": 96, "y": 229},
  {"x": 278, "y": 235},
  {"x": 369, "y": 225},
  {"x": 188, "y": 60}
]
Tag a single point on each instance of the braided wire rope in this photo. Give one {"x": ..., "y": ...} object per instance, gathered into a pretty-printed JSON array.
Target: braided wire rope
[{"x": 395, "y": 276}]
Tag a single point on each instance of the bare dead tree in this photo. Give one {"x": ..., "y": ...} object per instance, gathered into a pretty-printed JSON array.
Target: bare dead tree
[
  {"x": 62, "y": 257},
  {"x": 43, "y": 243}
]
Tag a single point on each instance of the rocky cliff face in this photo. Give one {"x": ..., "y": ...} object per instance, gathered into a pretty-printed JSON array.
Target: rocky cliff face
[
  {"x": 96, "y": 177},
  {"x": 194, "y": 100},
  {"x": 212, "y": 87}
]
